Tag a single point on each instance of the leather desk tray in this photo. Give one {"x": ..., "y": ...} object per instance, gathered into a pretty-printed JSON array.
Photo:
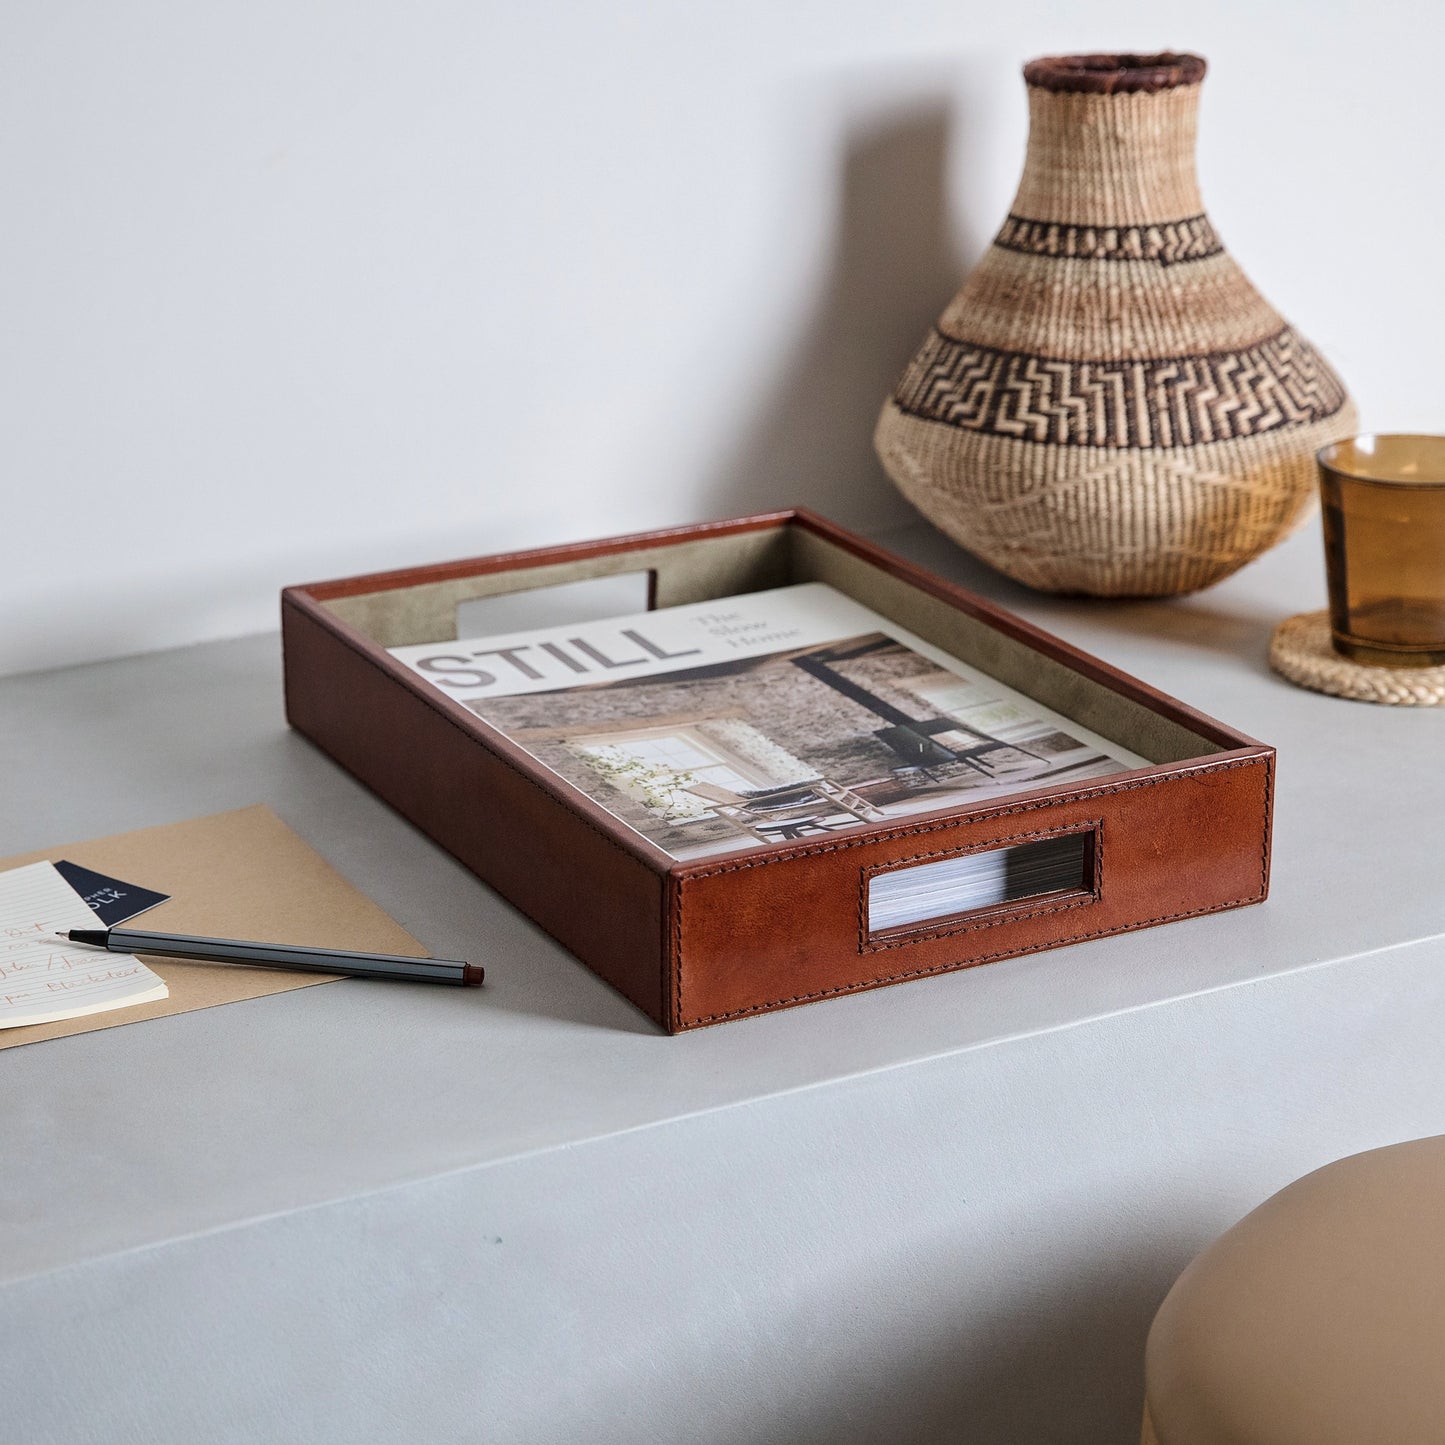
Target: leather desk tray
[{"x": 781, "y": 923}]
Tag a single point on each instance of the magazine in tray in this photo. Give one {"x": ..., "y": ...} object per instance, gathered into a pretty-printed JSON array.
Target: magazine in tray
[{"x": 782, "y": 714}]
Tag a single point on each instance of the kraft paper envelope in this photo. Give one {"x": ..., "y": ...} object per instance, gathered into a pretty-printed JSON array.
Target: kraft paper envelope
[{"x": 233, "y": 875}]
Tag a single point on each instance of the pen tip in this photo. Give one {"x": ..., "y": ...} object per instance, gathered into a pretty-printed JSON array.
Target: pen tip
[{"x": 59, "y": 934}]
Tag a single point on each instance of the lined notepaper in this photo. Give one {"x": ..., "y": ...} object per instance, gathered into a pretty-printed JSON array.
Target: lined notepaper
[{"x": 43, "y": 977}]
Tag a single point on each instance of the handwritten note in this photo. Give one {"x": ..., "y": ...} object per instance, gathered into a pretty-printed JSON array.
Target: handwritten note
[{"x": 42, "y": 977}]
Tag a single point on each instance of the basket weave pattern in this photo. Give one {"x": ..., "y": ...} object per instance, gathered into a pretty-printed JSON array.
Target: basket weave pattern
[{"x": 1108, "y": 406}]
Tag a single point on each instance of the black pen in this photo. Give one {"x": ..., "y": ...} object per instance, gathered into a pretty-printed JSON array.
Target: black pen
[{"x": 280, "y": 955}]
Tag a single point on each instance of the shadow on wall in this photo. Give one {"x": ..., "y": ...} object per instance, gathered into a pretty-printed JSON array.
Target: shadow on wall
[{"x": 893, "y": 268}]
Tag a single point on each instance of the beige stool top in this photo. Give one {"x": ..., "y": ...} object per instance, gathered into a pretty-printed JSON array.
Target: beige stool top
[{"x": 1319, "y": 1319}]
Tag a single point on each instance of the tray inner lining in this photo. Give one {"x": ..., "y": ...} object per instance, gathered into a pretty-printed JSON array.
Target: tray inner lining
[{"x": 720, "y": 566}]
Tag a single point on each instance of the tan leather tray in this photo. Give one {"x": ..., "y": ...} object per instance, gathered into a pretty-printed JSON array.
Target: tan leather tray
[{"x": 779, "y": 923}]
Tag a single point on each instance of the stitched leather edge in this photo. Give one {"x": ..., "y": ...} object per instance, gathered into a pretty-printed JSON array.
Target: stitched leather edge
[
  {"x": 676, "y": 1019},
  {"x": 1093, "y": 827},
  {"x": 1267, "y": 836},
  {"x": 507, "y": 762},
  {"x": 1268, "y": 761},
  {"x": 969, "y": 963}
]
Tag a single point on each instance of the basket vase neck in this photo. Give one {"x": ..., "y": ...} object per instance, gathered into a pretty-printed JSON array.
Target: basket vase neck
[{"x": 1110, "y": 159}]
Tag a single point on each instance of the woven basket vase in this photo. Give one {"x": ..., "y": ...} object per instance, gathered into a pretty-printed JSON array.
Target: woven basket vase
[{"x": 1108, "y": 406}]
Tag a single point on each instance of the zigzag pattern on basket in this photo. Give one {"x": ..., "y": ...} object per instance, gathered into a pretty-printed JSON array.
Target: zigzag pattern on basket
[
  {"x": 1168, "y": 242},
  {"x": 1176, "y": 401}
]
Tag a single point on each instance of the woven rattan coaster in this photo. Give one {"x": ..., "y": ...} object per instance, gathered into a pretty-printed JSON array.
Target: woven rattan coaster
[{"x": 1301, "y": 650}]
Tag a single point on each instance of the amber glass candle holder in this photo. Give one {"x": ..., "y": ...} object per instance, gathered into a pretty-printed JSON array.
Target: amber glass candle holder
[{"x": 1384, "y": 513}]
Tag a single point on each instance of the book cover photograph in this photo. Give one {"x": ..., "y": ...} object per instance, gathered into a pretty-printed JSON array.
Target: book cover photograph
[{"x": 790, "y": 713}]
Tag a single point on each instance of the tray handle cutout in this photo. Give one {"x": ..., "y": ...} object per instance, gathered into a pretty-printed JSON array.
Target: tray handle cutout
[
  {"x": 982, "y": 884},
  {"x": 593, "y": 599}
]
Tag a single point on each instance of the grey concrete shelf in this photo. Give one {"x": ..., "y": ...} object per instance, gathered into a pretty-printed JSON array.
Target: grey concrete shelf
[{"x": 967, "y": 1160}]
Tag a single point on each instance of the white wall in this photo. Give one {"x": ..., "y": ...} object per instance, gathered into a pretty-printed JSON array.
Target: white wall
[{"x": 292, "y": 290}]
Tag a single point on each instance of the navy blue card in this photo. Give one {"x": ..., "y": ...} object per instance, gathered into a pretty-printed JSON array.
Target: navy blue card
[{"x": 109, "y": 899}]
